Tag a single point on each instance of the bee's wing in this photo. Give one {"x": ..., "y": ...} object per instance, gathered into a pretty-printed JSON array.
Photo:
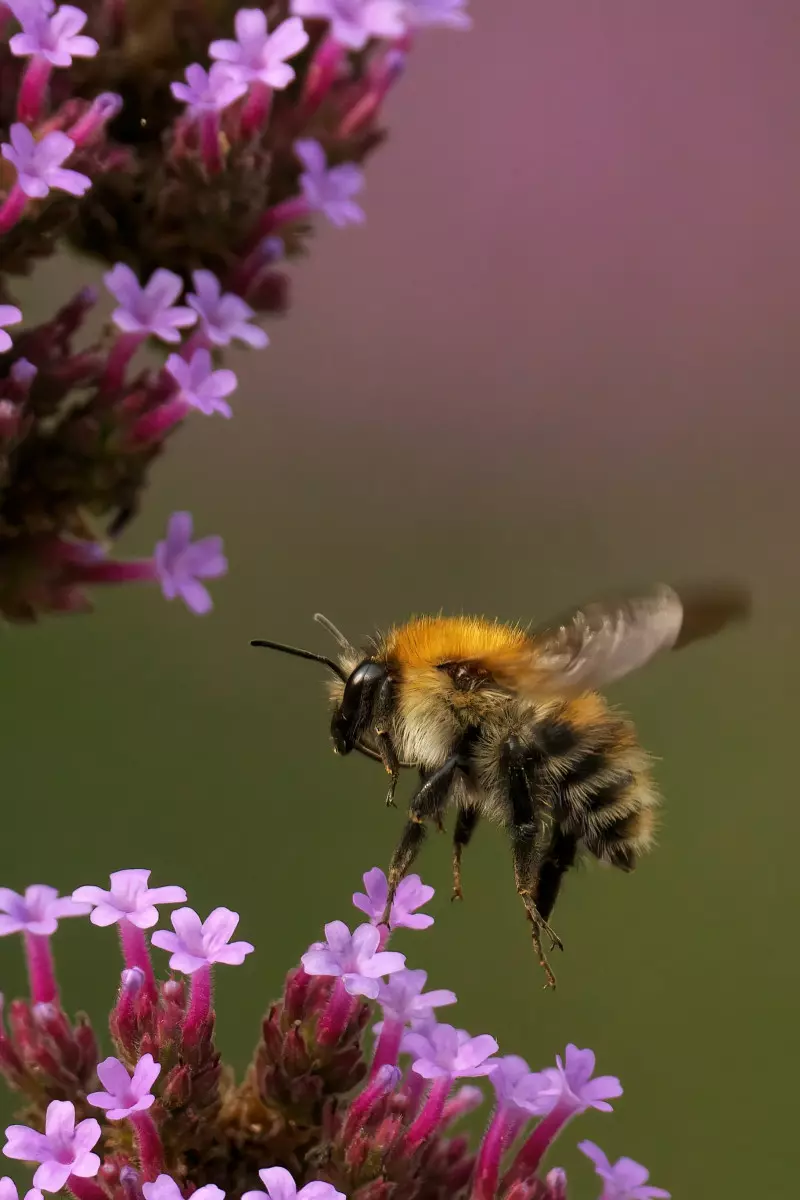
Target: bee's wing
[{"x": 608, "y": 639}]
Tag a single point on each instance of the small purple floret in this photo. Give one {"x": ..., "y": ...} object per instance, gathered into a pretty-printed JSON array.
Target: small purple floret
[
  {"x": 64, "y": 1148},
  {"x": 38, "y": 911},
  {"x": 129, "y": 898},
  {"x": 354, "y": 958},
  {"x": 411, "y": 894},
  {"x": 569, "y": 1085},
  {"x": 622, "y": 1180},
  {"x": 518, "y": 1087},
  {"x": 9, "y": 315},
  {"x": 165, "y": 1188},
  {"x": 450, "y": 13},
  {"x": 57, "y": 39},
  {"x": 209, "y": 91},
  {"x": 402, "y": 999},
  {"x": 180, "y": 563},
  {"x": 38, "y": 164},
  {"x": 200, "y": 386},
  {"x": 354, "y": 22},
  {"x": 258, "y": 55},
  {"x": 196, "y": 944},
  {"x": 448, "y": 1052},
  {"x": 329, "y": 191},
  {"x": 125, "y": 1094},
  {"x": 150, "y": 309},
  {"x": 279, "y": 1185},
  {"x": 224, "y": 316}
]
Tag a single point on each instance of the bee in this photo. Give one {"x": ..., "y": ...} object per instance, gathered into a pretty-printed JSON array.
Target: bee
[{"x": 509, "y": 724}]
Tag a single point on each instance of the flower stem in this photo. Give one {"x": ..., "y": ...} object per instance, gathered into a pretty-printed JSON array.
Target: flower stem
[
  {"x": 152, "y": 426},
  {"x": 85, "y": 1189},
  {"x": 280, "y": 214},
  {"x": 322, "y": 74},
  {"x": 132, "y": 939},
  {"x": 44, "y": 989},
  {"x": 334, "y": 1019},
  {"x": 13, "y": 208},
  {"x": 499, "y": 1136},
  {"x": 536, "y": 1146},
  {"x": 209, "y": 142},
  {"x": 199, "y": 1003},
  {"x": 33, "y": 89},
  {"x": 256, "y": 108},
  {"x": 360, "y": 1109},
  {"x": 119, "y": 356},
  {"x": 151, "y": 1152},
  {"x": 388, "y": 1046},
  {"x": 430, "y": 1116},
  {"x": 103, "y": 109}
]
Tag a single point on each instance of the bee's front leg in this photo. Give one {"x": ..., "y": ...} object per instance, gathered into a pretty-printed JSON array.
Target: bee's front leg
[{"x": 391, "y": 763}]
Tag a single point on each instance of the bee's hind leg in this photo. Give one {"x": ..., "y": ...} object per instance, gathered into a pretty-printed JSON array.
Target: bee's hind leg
[{"x": 466, "y": 821}]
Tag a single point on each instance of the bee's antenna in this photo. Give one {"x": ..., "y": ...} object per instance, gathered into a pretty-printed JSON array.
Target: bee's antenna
[
  {"x": 329, "y": 663},
  {"x": 347, "y": 646}
]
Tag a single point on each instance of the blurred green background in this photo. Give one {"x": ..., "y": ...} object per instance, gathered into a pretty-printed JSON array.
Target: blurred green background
[{"x": 561, "y": 356}]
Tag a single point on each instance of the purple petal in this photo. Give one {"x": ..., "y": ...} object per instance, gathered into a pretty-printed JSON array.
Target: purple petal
[
  {"x": 365, "y": 941},
  {"x": 101, "y": 1099},
  {"x": 598, "y": 1157},
  {"x": 165, "y": 940},
  {"x": 477, "y": 1050},
  {"x": 123, "y": 285},
  {"x": 219, "y": 927},
  {"x": 357, "y": 984},
  {"x": 145, "y": 1074},
  {"x": 87, "y": 1166},
  {"x": 51, "y": 1175},
  {"x": 317, "y": 1190},
  {"x": 320, "y": 962},
  {"x": 10, "y": 925},
  {"x": 59, "y": 1122},
  {"x": 384, "y": 963},
  {"x": 428, "y": 1069},
  {"x": 311, "y": 155},
  {"x": 143, "y": 918},
  {"x": 87, "y": 1135},
  {"x": 195, "y": 596},
  {"x": 65, "y": 906},
  {"x": 179, "y": 535},
  {"x": 338, "y": 937},
  {"x": 105, "y": 914},
  {"x": 27, "y": 1144},
  {"x": 278, "y": 1183},
  {"x": 113, "y": 1076},
  {"x": 166, "y": 895},
  {"x": 605, "y": 1087},
  {"x": 234, "y": 954}
]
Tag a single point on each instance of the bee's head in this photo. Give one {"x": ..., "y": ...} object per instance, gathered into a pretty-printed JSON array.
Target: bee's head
[{"x": 357, "y": 704}]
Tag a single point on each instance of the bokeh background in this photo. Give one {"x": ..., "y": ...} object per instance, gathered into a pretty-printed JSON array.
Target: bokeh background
[{"x": 562, "y": 355}]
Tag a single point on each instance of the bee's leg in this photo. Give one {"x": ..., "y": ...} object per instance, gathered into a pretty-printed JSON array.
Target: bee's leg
[
  {"x": 384, "y": 702},
  {"x": 559, "y": 860},
  {"x": 531, "y": 837},
  {"x": 466, "y": 821},
  {"x": 407, "y": 850}
]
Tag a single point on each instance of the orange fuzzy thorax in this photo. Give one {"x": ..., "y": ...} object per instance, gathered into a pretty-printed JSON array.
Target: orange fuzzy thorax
[{"x": 426, "y": 641}]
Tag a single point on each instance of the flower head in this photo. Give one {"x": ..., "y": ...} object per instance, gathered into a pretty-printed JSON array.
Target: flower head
[
  {"x": 56, "y": 38},
  {"x": 257, "y": 54},
  {"x": 200, "y": 385},
  {"x": 129, "y": 898},
  {"x": 624, "y": 1180},
  {"x": 209, "y": 91},
  {"x": 38, "y": 164},
  {"x": 279, "y": 1185},
  {"x": 411, "y": 894},
  {"x": 224, "y": 316},
  {"x": 165, "y": 1188},
  {"x": 451, "y": 13},
  {"x": 150, "y": 309},
  {"x": 9, "y": 315},
  {"x": 570, "y": 1083},
  {"x": 401, "y": 996},
  {"x": 8, "y": 1191},
  {"x": 446, "y": 1051},
  {"x": 196, "y": 944},
  {"x": 329, "y": 191},
  {"x": 517, "y": 1086},
  {"x": 354, "y": 22},
  {"x": 125, "y": 1094},
  {"x": 354, "y": 958},
  {"x": 63, "y": 1149},
  {"x": 38, "y": 911},
  {"x": 181, "y": 563}
]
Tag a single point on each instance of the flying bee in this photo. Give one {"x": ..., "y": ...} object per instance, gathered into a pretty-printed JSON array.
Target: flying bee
[{"x": 509, "y": 724}]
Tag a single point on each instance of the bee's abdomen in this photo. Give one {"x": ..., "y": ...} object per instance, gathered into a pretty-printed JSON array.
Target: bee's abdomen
[{"x": 604, "y": 791}]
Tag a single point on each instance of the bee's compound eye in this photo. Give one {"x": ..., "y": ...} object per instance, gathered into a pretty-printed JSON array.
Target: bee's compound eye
[{"x": 352, "y": 711}]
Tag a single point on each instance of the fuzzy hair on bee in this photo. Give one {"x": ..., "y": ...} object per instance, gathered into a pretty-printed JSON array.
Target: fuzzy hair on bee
[{"x": 509, "y": 725}]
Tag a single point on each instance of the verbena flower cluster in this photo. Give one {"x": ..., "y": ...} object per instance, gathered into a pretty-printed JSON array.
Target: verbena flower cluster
[
  {"x": 189, "y": 145},
  {"x": 318, "y": 1115}
]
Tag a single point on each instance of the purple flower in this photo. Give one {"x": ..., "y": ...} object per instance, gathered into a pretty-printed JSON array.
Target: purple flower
[
  {"x": 38, "y": 164},
  {"x": 402, "y": 999},
  {"x": 125, "y": 1094},
  {"x": 38, "y": 911},
  {"x": 209, "y": 91},
  {"x": 149, "y": 309},
  {"x": 56, "y": 39},
  {"x": 200, "y": 385},
  {"x": 165, "y": 1188},
  {"x": 417, "y": 13},
  {"x": 411, "y": 893},
  {"x": 445, "y": 1051},
  {"x": 181, "y": 563},
  {"x": 570, "y": 1084},
  {"x": 8, "y": 1191},
  {"x": 194, "y": 945},
  {"x": 329, "y": 191},
  {"x": 224, "y": 315},
  {"x": 22, "y": 8},
  {"x": 354, "y": 22},
  {"x": 517, "y": 1086},
  {"x": 63, "y": 1149},
  {"x": 624, "y": 1180},
  {"x": 128, "y": 899},
  {"x": 354, "y": 958},
  {"x": 279, "y": 1185},
  {"x": 9, "y": 315},
  {"x": 257, "y": 54}
]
